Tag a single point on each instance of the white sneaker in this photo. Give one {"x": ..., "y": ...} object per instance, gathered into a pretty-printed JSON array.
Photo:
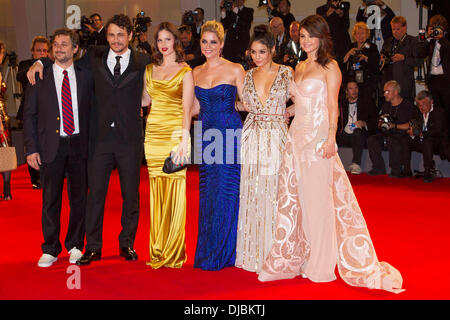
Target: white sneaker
[
  {"x": 75, "y": 255},
  {"x": 46, "y": 260},
  {"x": 355, "y": 168}
]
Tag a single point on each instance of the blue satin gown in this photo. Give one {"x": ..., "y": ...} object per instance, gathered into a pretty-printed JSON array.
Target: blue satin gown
[{"x": 219, "y": 172}]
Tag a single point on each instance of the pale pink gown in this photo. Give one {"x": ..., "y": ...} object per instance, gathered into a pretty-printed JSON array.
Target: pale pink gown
[{"x": 319, "y": 223}]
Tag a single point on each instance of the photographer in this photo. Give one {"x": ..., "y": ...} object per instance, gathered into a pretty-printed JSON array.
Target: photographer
[
  {"x": 282, "y": 10},
  {"x": 428, "y": 131},
  {"x": 437, "y": 48},
  {"x": 399, "y": 56},
  {"x": 356, "y": 120},
  {"x": 294, "y": 53},
  {"x": 237, "y": 20},
  {"x": 194, "y": 19},
  {"x": 361, "y": 61},
  {"x": 141, "y": 24},
  {"x": 336, "y": 13},
  {"x": 377, "y": 36},
  {"x": 191, "y": 47},
  {"x": 394, "y": 123},
  {"x": 97, "y": 31}
]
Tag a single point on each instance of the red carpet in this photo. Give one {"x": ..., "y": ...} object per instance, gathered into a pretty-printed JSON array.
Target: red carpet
[{"x": 408, "y": 221}]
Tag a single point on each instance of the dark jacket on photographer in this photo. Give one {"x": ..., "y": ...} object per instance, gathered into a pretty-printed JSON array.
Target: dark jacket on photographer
[
  {"x": 237, "y": 27},
  {"x": 287, "y": 19},
  {"x": 339, "y": 31},
  {"x": 98, "y": 38},
  {"x": 281, "y": 47},
  {"x": 366, "y": 73},
  {"x": 434, "y": 136},
  {"x": 22, "y": 78},
  {"x": 365, "y": 111},
  {"x": 402, "y": 71},
  {"x": 385, "y": 25},
  {"x": 295, "y": 55}
]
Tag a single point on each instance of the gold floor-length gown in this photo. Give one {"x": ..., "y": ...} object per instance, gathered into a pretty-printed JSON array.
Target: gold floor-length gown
[{"x": 167, "y": 191}]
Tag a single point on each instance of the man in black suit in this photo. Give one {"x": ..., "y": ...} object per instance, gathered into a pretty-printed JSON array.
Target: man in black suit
[
  {"x": 437, "y": 48},
  {"x": 294, "y": 53},
  {"x": 357, "y": 118},
  {"x": 377, "y": 36},
  {"x": 117, "y": 134},
  {"x": 97, "y": 31},
  {"x": 56, "y": 123},
  {"x": 428, "y": 131},
  {"x": 400, "y": 55},
  {"x": 339, "y": 22},
  {"x": 236, "y": 22},
  {"x": 39, "y": 49}
]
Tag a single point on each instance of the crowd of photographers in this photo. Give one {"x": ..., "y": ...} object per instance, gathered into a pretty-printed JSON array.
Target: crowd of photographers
[{"x": 379, "y": 108}]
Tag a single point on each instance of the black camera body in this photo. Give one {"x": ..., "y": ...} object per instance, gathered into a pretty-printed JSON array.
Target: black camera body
[
  {"x": 85, "y": 20},
  {"x": 385, "y": 121},
  {"x": 342, "y": 5},
  {"x": 141, "y": 22},
  {"x": 436, "y": 31},
  {"x": 228, "y": 5},
  {"x": 189, "y": 17}
]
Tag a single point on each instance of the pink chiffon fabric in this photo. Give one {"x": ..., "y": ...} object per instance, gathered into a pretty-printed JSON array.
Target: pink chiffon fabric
[{"x": 319, "y": 223}]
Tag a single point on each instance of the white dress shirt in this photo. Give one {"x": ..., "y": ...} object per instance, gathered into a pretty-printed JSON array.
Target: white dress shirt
[{"x": 59, "y": 77}]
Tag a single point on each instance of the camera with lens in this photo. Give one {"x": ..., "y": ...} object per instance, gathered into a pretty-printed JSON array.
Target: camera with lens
[
  {"x": 141, "y": 23},
  {"x": 12, "y": 57},
  {"x": 294, "y": 53},
  {"x": 436, "y": 31},
  {"x": 84, "y": 33},
  {"x": 85, "y": 20},
  {"x": 354, "y": 58},
  {"x": 228, "y": 5},
  {"x": 384, "y": 122},
  {"x": 189, "y": 17},
  {"x": 342, "y": 5},
  {"x": 275, "y": 3}
]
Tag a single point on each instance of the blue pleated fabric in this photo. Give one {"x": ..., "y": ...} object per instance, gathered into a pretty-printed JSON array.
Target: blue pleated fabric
[{"x": 219, "y": 173}]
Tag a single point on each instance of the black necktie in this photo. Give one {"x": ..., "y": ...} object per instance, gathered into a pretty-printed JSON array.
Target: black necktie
[{"x": 117, "y": 68}]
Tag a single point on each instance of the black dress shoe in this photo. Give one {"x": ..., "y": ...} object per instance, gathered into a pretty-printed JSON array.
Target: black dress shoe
[
  {"x": 89, "y": 256},
  {"x": 128, "y": 253}
]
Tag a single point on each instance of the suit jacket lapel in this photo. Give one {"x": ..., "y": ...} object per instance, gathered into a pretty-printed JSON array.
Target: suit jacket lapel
[{"x": 105, "y": 70}]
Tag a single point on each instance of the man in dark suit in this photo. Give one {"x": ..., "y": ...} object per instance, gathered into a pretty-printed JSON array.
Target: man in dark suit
[
  {"x": 116, "y": 134},
  {"x": 339, "y": 22},
  {"x": 358, "y": 117},
  {"x": 400, "y": 55},
  {"x": 237, "y": 23},
  {"x": 428, "y": 132},
  {"x": 437, "y": 48},
  {"x": 56, "y": 123},
  {"x": 283, "y": 10},
  {"x": 97, "y": 31},
  {"x": 294, "y": 53},
  {"x": 377, "y": 36},
  {"x": 39, "y": 49}
]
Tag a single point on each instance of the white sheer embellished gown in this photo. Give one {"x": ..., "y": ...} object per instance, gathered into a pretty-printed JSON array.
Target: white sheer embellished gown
[
  {"x": 263, "y": 139},
  {"x": 319, "y": 223}
]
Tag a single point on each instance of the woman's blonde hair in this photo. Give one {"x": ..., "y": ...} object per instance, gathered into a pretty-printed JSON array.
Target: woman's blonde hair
[
  {"x": 360, "y": 25},
  {"x": 214, "y": 27}
]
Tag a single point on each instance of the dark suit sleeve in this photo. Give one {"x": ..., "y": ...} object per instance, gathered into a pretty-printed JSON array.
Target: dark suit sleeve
[
  {"x": 438, "y": 129},
  {"x": 22, "y": 71},
  {"x": 414, "y": 60},
  {"x": 30, "y": 118},
  {"x": 229, "y": 20}
]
